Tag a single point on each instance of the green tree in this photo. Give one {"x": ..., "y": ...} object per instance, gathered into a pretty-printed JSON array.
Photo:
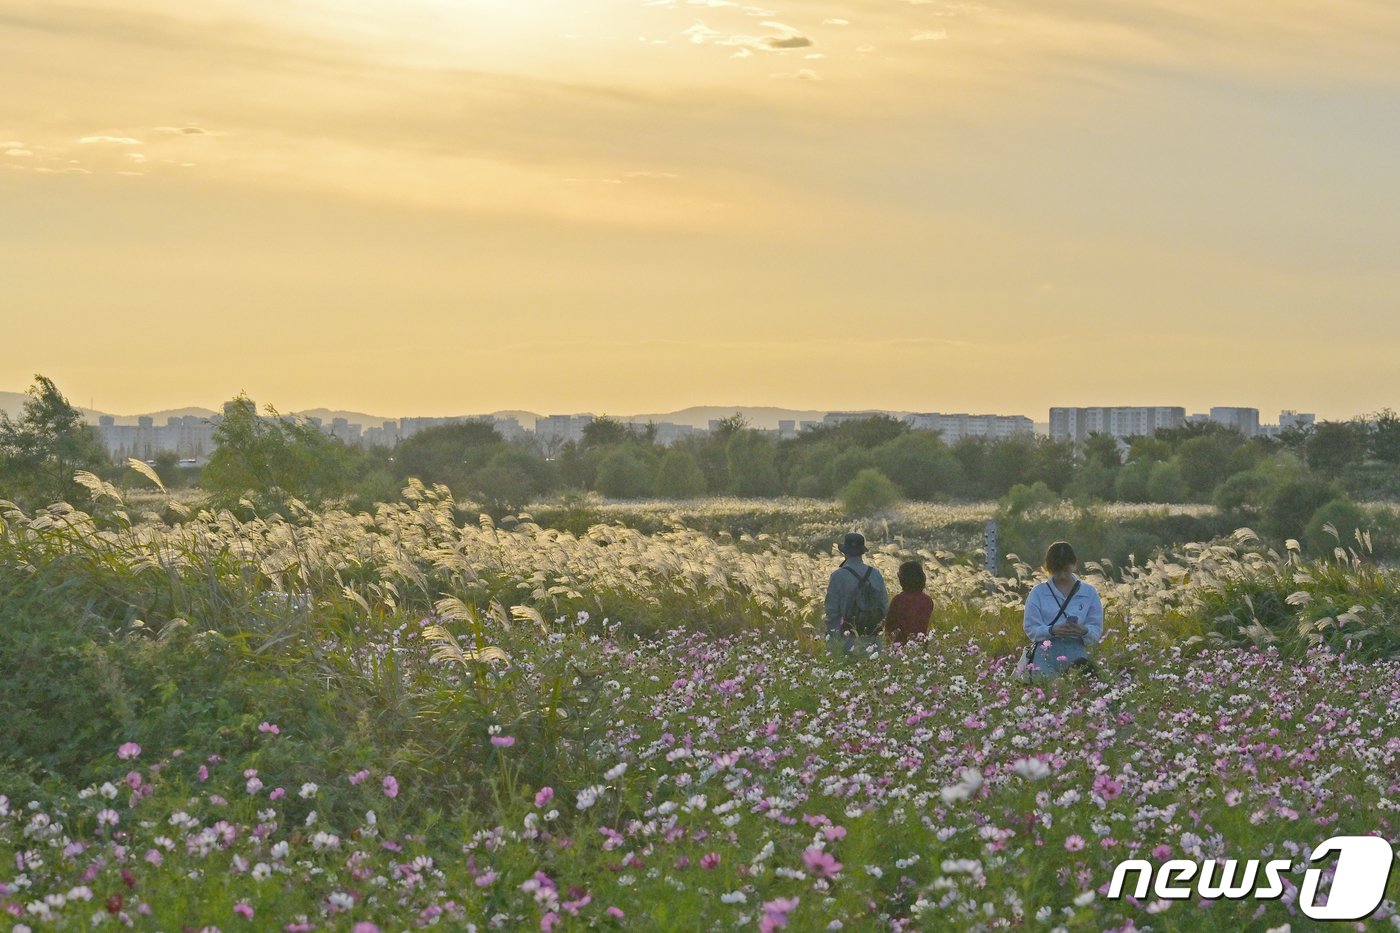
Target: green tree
[
  {"x": 272, "y": 459},
  {"x": 449, "y": 454},
  {"x": 1293, "y": 504},
  {"x": 604, "y": 432},
  {"x": 1385, "y": 437},
  {"x": 848, "y": 463},
  {"x": 1203, "y": 462},
  {"x": 972, "y": 454},
  {"x": 622, "y": 474},
  {"x": 1344, "y": 517},
  {"x": 41, "y": 451},
  {"x": 1027, "y": 497},
  {"x": 753, "y": 466},
  {"x": 1165, "y": 483},
  {"x": 869, "y": 492},
  {"x": 511, "y": 479},
  {"x": 809, "y": 470},
  {"x": 1131, "y": 483},
  {"x": 1103, "y": 449},
  {"x": 1335, "y": 445},
  {"x": 679, "y": 476},
  {"x": 1245, "y": 494},
  {"x": 1010, "y": 462},
  {"x": 1093, "y": 482},
  {"x": 920, "y": 464}
]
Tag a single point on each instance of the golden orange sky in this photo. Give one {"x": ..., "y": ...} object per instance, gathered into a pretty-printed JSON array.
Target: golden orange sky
[{"x": 450, "y": 206}]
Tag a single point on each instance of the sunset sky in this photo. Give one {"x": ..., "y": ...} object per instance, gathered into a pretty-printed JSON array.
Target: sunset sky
[{"x": 454, "y": 206}]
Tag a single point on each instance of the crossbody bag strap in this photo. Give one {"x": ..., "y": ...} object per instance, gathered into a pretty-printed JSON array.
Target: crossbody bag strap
[{"x": 1059, "y": 615}]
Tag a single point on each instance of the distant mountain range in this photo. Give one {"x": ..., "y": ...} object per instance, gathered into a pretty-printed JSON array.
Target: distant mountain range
[{"x": 759, "y": 416}]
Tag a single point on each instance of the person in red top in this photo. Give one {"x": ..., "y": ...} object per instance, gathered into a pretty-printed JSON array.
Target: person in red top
[{"x": 911, "y": 610}]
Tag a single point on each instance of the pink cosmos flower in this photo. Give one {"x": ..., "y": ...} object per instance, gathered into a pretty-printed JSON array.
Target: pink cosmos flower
[
  {"x": 616, "y": 913},
  {"x": 203, "y": 772},
  {"x": 391, "y": 786},
  {"x": 543, "y": 796},
  {"x": 359, "y": 777},
  {"x": 243, "y": 910},
  {"x": 775, "y": 914},
  {"x": 503, "y": 741},
  {"x": 277, "y": 793},
  {"x": 820, "y": 863},
  {"x": 1074, "y": 843},
  {"x": 549, "y": 921},
  {"x": 128, "y": 750},
  {"x": 364, "y": 926},
  {"x": 1107, "y": 787},
  {"x": 269, "y": 727},
  {"x": 835, "y": 832},
  {"x": 709, "y": 860}
]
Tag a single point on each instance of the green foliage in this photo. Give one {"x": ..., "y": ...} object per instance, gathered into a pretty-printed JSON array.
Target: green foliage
[
  {"x": 679, "y": 476},
  {"x": 1023, "y": 498},
  {"x": 1333, "y": 446},
  {"x": 809, "y": 468},
  {"x": 448, "y": 454},
  {"x": 271, "y": 461},
  {"x": 1202, "y": 464},
  {"x": 1385, "y": 437},
  {"x": 753, "y": 464},
  {"x": 848, "y": 463},
  {"x": 1293, "y": 503},
  {"x": 511, "y": 479},
  {"x": 921, "y": 466},
  {"x": 623, "y": 474},
  {"x": 868, "y": 493},
  {"x": 1131, "y": 483},
  {"x": 40, "y": 452},
  {"x": 1343, "y": 518},
  {"x": 604, "y": 432},
  {"x": 1166, "y": 482}
]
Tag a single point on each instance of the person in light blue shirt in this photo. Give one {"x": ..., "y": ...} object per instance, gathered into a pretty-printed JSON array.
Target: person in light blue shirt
[
  {"x": 1062, "y": 638},
  {"x": 843, "y": 605}
]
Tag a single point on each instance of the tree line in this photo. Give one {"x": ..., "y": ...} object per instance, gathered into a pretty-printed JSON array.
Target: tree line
[{"x": 261, "y": 461}]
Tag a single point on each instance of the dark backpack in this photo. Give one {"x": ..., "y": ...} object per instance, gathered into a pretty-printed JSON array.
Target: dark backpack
[{"x": 866, "y": 612}]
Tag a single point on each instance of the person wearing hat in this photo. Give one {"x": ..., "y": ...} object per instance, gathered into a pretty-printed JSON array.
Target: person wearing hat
[{"x": 856, "y": 600}]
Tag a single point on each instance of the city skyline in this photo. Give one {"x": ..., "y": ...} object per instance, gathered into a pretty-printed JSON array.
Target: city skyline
[
  {"x": 634, "y": 204},
  {"x": 11, "y": 400},
  {"x": 193, "y": 436}
]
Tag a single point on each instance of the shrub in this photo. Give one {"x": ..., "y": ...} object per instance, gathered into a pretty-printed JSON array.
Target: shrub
[
  {"x": 679, "y": 476},
  {"x": 869, "y": 492},
  {"x": 623, "y": 475},
  {"x": 1344, "y": 518}
]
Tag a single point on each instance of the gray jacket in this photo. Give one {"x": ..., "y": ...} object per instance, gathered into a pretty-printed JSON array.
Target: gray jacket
[{"x": 841, "y": 590}]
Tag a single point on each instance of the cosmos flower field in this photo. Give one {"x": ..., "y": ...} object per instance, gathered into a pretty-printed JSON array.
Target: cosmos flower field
[{"x": 397, "y": 721}]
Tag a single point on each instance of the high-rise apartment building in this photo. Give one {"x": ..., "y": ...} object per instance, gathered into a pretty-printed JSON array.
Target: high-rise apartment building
[
  {"x": 1244, "y": 420},
  {"x": 1076, "y": 424},
  {"x": 953, "y": 428}
]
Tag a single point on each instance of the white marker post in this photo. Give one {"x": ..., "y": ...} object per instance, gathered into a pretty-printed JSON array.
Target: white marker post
[{"x": 992, "y": 555}]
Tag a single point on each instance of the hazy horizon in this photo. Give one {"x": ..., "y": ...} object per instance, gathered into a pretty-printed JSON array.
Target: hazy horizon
[
  {"x": 429, "y": 206},
  {"x": 12, "y": 400}
]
